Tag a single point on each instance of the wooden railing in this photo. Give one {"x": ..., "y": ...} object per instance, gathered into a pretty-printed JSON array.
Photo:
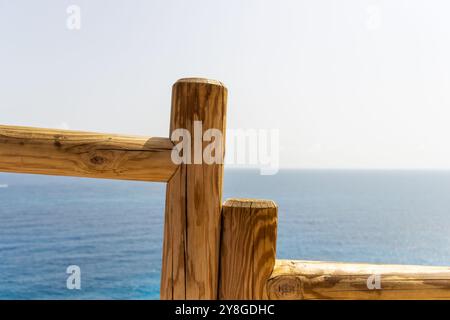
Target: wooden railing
[
  {"x": 249, "y": 269},
  {"x": 210, "y": 251},
  {"x": 332, "y": 280},
  {"x": 85, "y": 154}
]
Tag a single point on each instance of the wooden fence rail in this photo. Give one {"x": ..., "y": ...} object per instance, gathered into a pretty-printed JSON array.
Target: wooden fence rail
[
  {"x": 209, "y": 251},
  {"x": 85, "y": 154},
  {"x": 356, "y": 281}
]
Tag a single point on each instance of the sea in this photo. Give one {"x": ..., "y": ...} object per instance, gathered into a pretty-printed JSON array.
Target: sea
[{"x": 112, "y": 230}]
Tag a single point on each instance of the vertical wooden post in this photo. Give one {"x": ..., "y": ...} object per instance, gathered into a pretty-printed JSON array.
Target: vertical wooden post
[
  {"x": 194, "y": 196},
  {"x": 248, "y": 246}
]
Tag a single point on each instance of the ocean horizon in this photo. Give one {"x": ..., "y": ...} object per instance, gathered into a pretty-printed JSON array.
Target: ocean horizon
[{"x": 113, "y": 230}]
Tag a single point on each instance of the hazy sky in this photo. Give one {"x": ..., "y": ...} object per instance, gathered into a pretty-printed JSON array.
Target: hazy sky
[{"x": 349, "y": 84}]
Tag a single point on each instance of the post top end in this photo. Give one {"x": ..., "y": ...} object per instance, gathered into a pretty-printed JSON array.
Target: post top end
[
  {"x": 249, "y": 203},
  {"x": 200, "y": 80}
]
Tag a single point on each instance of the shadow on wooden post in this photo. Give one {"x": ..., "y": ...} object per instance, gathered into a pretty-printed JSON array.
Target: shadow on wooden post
[{"x": 248, "y": 247}]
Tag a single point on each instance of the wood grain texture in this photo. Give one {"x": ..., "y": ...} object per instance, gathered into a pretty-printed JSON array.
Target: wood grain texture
[
  {"x": 331, "y": 280},
  {"x": 194, "y": 198},
  {"x": 85, "y": 154},
  {"x": 248, "y": 247}
]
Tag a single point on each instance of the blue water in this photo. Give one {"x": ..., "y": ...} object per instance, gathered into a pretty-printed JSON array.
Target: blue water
[{"x": 113, "y": 229}]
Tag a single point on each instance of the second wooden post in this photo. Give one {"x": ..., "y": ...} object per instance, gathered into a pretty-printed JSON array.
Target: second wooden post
[{"x": 248, "y": 246}]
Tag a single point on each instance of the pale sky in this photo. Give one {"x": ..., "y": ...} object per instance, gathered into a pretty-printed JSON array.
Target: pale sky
[{"x": 349, "y": 84}]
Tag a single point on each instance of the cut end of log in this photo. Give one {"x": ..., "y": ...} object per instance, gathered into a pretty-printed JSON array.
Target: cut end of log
[
  {"x": 201, "y": 80},
  {"x": 250, "y": 203}
]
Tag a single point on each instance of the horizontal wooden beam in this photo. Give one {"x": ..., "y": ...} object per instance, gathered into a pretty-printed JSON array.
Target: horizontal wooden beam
[
  {"x": 85, "y": 154},
  {"x": 292, "y": 280}
]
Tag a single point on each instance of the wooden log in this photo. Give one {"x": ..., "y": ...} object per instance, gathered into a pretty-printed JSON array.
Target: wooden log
[
  {"x": 248, "y": 246},
  {"x": 194, "y": 196},
  {"x": 85, "y": 154},
  {"x": 292, "y": 280}
]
